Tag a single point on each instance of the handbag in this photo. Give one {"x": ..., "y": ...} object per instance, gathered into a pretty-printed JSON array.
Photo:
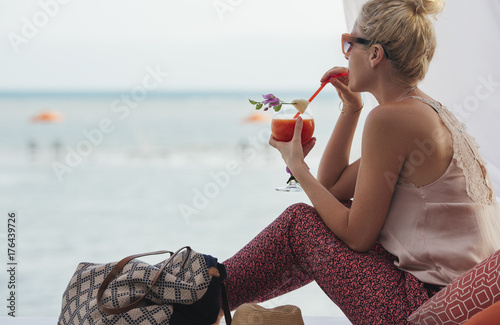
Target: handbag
[{"x": 184, "y": 289}]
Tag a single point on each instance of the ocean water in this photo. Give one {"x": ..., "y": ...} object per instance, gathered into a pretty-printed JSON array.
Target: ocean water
[{"x": 114, "y": 178}]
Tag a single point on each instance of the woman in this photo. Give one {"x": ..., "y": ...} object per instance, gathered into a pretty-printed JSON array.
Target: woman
[{"x": 423, "y": 210}]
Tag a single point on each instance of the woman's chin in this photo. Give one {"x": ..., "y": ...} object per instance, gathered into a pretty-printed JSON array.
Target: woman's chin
[
  {"x": 352, "y": 87},
  {"x": 355, "y": 86}
]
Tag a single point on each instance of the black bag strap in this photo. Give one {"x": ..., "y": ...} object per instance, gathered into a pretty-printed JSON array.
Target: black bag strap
[
  {"x": 120, "y": 265},
  {"x": 225, "y": 305}
]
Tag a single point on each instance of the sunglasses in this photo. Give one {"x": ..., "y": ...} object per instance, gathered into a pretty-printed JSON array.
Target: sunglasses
[{"x": 348, "y": 42}]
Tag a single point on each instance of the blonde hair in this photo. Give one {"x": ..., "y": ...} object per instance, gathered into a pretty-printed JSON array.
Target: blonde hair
[{"x": 406, "y": 32}]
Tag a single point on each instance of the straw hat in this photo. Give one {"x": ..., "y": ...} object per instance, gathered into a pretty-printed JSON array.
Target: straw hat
[{"x": 253, "y": 314}]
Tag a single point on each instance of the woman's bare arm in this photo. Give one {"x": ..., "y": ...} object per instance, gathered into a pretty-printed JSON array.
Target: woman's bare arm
[
  {"x": 335, "y": 159},
  {"x": 382, "y": 147},
  {"x": 344, "y": 187}
]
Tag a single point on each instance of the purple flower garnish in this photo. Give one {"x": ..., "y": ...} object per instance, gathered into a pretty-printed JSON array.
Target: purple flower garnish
[{"x": 270, "y": 100}]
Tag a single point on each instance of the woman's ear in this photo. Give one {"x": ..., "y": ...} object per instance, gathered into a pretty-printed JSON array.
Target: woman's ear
[{"x": 376, "y": 55}]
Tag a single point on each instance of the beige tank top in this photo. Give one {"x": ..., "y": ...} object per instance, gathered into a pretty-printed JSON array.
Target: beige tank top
[{"x": 441, "y": 230}]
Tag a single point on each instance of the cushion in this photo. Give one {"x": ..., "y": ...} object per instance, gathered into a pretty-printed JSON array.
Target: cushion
[
  {"x": 472, "y": 292},
  {"x": 489, "y": 316}
]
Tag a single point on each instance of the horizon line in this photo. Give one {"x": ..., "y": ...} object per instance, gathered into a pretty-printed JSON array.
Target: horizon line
[{"x": 157, "y": 93}]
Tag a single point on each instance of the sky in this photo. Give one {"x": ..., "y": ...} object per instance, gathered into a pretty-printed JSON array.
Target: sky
[{"x": 223, "y": 45}]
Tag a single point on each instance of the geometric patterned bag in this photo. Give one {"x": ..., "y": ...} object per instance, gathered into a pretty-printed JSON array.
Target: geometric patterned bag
[{"x": 184, "y": 289}]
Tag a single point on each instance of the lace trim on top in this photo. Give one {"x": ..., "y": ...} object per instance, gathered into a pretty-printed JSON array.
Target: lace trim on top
[{"x": 466, "y": 155}]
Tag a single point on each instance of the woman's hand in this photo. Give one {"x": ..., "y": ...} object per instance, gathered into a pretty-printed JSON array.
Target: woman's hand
[
  {"x": 352, "y": 100},
  {"x": 293, "y": 152}
]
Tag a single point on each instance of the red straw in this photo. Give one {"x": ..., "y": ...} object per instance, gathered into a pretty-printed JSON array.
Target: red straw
[
  {"x": 317, "y": 91},
  {"x": 323, "y": 84}
]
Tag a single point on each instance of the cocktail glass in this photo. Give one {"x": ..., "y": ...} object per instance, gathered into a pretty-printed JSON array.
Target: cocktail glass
[{"x": 282, "y": 128}]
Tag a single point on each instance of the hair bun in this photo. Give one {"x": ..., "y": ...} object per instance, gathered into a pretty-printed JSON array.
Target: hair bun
[{"x": 429, "y": 7}]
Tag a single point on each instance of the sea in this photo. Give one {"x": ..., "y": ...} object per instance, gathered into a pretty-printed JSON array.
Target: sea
[{"x": 95, "y": 177}]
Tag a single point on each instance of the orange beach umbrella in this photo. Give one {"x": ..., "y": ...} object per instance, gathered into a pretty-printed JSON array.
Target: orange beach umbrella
[
  {"x": 47, "y": 116},
  {"x": 257, "y": 117}
]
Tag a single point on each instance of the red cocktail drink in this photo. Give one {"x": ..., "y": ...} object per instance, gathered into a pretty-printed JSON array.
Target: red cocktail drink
[{"x": 283, "y": 129}]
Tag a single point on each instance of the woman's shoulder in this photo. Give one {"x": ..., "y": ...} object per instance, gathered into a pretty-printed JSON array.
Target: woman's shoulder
[
  {"x": 400, "y": 123},
  {"x": 405, "y": 115},
  {"x": 387, "y": 125},
  {"x": 394, "y": 116}
]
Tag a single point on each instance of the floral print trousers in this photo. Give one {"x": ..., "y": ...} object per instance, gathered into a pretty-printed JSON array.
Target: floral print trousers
[{"x": 298, "y": 248}]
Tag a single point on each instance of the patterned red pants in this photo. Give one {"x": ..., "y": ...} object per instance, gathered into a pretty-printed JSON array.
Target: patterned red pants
[{"x": 298, "y": 248}]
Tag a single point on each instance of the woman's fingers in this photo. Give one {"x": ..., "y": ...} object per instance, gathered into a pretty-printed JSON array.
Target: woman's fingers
[
  {"x": 273, "y": 142},
  {"x": 307, "y": 147},
  {"x": 297, "y": 133},
  {"x": 340, "y": 85},
  {"x": 333, "y": 71}
]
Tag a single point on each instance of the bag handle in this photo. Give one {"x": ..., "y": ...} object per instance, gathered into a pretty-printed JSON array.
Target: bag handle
[
  {"x": 225, "y": 305},
  {"x": 120, "y": 265}
]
